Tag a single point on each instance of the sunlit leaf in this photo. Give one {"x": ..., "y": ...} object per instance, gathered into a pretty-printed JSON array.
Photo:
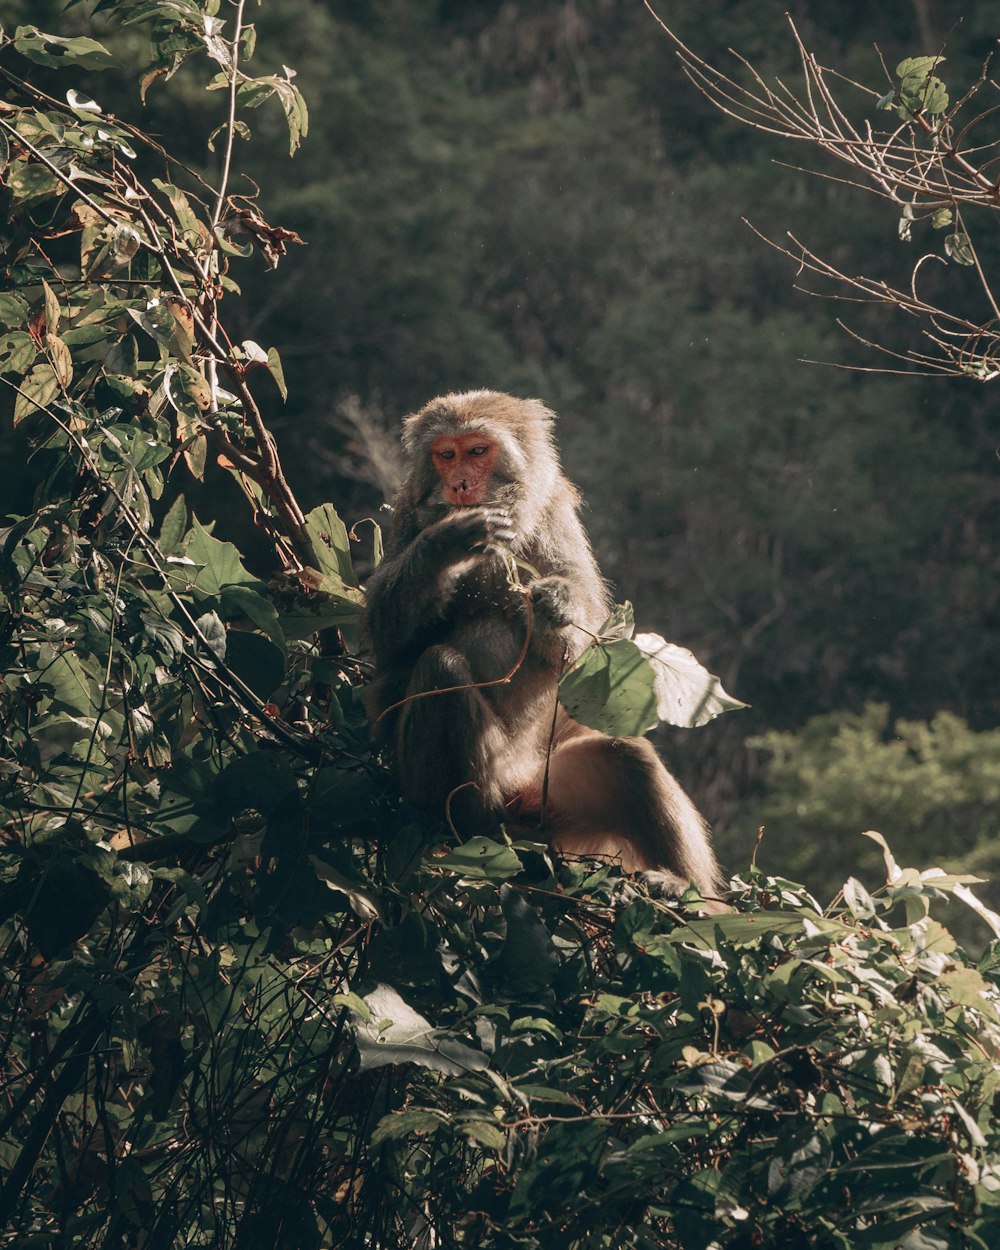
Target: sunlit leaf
[
  {"x": 17, "y": 352},
  {"x": 276, "y": 371},
  {"x": 686, "y": 693},
  {"x": 36, "y": 391},
  {"x": 480, "y": 859},
  {"x": 334, "y": 572},
  {"x": 52, "y": 50},
  {"x": 397, "y": 1034},
  {"x": 959, "y": 248}
]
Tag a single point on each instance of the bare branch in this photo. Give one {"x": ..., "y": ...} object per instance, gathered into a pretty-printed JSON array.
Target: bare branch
[{"x": 922, "y": 164}]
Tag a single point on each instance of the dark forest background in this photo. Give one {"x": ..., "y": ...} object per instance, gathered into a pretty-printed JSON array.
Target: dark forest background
[{"x": 531, "y": 197}]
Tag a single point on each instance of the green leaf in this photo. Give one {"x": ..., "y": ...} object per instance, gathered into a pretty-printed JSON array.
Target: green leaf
[
  {"x": 611, "y": 688},
  {"x": 61, "y": 359},
  {"x": 568, "y": 1160},
  {"x": 213, "y": 632},
  {"x": 168, "y": 320},
  {"x": 406, "y": 1124},
  {"x": 918, "y": 68},
  {"x": 686, "y": 694},
  {"x": 331, "y": 549},
  {"x": 187, "y": 218},
  {"x": 31, "y": 183},
  {"x": 82, "y": 103},
  {"x": 480, "y": 859},
  {"x": 353, "y": 1003},
  {"x": 801, "y": 1159},
  {"x": 189, "y": 391},
  {"x": 17, "y": 352},
  {"x": 13, "y": 309},
  {"x": 362, "y": 902},
  {"x": 542, "y": 1093},
  {"x": 51, "y": 305},
  {"x": 61, "y": 903},
  {"x": 920, "y": 91},
  {"x": 328, "y": 613},
  {"x": 397, "y": 1034},
  {"x": 892, "y": 870},
  {"x": 218, "y": 565},
  {"x": 484, "y": 1133},
  {"x": 858, "y": 900},
  {"x": 276, "y": 371},
  {"x": 665, "y": 1138},
  {"x": 244, "y": 601},
  {"x": 51, "y": 50},
  {"x": 188, "y": 885},
  {"x": 254, "y": 91},
  {"x": 753, "y": 928},
  {"x": 131, "y": 883},
  {"x": 529, "y": 959},
  {"x": 174, "y": 526},
  {"x": 70, "y": 686},
  {"x": 37, "y": 391},
  {"x": 959, "y": 248}
]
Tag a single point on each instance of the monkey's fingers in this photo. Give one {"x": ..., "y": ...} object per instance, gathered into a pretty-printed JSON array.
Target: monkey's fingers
[
  {"x": 464, "y": 529},
  {"x": 499, "y": 530},
  {"x": 501, "y": 526},
  {"x": 552, "y": 597}
]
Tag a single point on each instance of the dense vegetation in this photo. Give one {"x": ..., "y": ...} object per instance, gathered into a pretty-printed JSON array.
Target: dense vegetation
[
  {"x": 248, "y": 999},
  {"x": 533, "y": 198}
]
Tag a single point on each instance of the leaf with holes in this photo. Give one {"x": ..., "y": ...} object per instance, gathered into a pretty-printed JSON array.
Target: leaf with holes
[{"x": 51, "y": 50}]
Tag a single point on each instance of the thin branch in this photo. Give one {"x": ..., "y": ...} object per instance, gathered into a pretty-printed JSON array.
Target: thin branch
[{"x": 234, "y": 76}]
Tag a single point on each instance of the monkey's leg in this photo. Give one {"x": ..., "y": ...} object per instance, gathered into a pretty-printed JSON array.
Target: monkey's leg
[
  {"x": 612, "y": 797},
  {"x": 449, "y": 740}
]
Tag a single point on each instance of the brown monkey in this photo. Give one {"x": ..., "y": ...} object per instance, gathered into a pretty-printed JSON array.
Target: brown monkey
[{"x": 484, "y": 483}]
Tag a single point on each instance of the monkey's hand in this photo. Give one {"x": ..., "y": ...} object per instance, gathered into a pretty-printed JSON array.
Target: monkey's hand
[
  {"x": 466, "y": 532},
  {"x": 552, "y": 600}
]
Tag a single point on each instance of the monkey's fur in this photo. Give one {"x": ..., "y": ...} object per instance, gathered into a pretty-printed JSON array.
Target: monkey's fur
[{"x": 442, "y": 613}]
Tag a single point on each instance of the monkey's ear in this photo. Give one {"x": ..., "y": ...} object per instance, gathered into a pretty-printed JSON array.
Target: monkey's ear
[{"x": 411, "y": 434}]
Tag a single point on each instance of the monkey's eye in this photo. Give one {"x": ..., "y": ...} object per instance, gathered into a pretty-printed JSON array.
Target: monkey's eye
[
  {"x": 478, "y": 451},
  {"x": 447, "y": 454}
]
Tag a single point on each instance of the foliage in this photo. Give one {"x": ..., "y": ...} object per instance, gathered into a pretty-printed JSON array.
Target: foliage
[
  {"x": 625, "y": 685},
  {"x": 933, "y": 787},
  {"x": 248, "y": 1000},
  {"x": 545, "y": 207}
]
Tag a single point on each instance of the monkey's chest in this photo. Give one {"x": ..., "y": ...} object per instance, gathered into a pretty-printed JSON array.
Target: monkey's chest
[{"x": 483, "y": 597}]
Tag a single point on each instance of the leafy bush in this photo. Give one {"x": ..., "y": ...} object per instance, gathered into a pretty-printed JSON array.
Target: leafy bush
[
  {"x": 249, "y": 1001},
  {"x": 932, "y": 788}
]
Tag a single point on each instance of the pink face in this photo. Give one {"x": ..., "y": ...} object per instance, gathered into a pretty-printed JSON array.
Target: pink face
[{"x": 464, "y": 463}]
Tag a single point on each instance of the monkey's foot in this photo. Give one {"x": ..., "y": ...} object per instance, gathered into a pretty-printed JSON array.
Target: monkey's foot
[{"x": 661, "y": 883}]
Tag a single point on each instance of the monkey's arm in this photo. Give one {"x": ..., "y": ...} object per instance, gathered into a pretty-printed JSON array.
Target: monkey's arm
[
  {"x": 574, "y": 592},
  {"x": 411, "y": 592}
]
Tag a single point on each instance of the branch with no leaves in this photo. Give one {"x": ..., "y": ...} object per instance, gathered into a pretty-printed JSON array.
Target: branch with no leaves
[{"x": 924, "y": 162}]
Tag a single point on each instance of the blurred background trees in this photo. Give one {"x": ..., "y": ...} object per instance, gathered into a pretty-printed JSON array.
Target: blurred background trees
[{"x": 531, "y": 197}]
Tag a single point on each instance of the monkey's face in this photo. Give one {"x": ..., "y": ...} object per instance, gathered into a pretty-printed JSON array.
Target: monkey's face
[{"x": 465, "y": 465}]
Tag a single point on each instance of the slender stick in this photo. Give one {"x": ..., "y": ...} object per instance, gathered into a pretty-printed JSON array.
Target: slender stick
[{"x": 234, "y": 77}]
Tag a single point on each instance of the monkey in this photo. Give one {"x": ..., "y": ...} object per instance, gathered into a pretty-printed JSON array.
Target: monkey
[{"x": 467, "y": 659}]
